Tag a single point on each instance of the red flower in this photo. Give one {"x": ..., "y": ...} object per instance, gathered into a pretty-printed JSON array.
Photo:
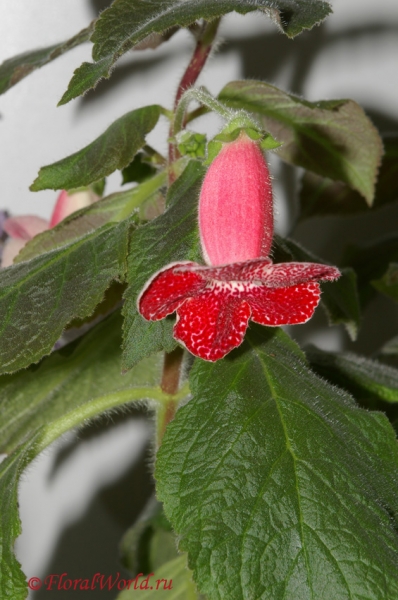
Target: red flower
[{"x": 214, "y": 303}]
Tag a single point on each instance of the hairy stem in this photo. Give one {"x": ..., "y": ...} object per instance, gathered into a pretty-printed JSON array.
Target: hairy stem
[
  {"x": 205, "y": 39},
  {"x": 169, "y": 385}
]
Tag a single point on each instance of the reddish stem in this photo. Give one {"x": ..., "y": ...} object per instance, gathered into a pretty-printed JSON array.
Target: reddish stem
[{"x": 192, "y": 72}]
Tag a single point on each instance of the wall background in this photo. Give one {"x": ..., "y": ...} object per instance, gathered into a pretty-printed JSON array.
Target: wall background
[{"x": 80, "y": 496}]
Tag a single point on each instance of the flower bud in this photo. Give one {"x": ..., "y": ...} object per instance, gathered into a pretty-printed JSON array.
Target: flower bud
[
  {"x": 235, "y": 205},
  {"x": 68, "y": 203}
]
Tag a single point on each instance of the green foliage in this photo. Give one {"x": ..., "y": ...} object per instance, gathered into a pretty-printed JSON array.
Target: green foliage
[
  {"x": 38, "y": 405},
  {"x": 128, "y": 22},
  {"x": 321, "y": 196},
  {"x": 254, "y": 473},
  {"x": 64, "y": 276},
  {"x": 332, "y": 138},
  {"x": 175, "y": 570},
  {"x": 18, "y": 67},
  {"x": 114, "y": 149},
  {"x": 170, "y": 238}
]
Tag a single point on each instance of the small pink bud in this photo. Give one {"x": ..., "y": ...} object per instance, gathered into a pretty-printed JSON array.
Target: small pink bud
[
  {"x": 235, "y": 205},
  {"x": 68, "y": 203}
]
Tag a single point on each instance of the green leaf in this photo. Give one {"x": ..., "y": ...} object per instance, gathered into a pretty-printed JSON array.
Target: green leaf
[
  {"x": 112, "y": 150},
  {"x": 339, "y": 298},
  {"x": 388, "y": 284},
  {"x": 15, "y": 69},
  {"x": 82, "y": 256},
  {"x": 370, "y": 262},
  {"x": 363, "y": 377},
  {"x": 170, "y": 238},
  {"x": 128, "y": 22},
  {"x": 150, "y": 542},
  {"x": 39, "y": 404},
  {"x": 174, "y": 571},
  {"x": 12, "y": 580},
  {"x": 138, "y": 170},
  {"x": 278, "y": 485},
  {"x": 332, "y": 138},
  {"x": 70, "y": 379},
  {"x": 321, "y": 196}
]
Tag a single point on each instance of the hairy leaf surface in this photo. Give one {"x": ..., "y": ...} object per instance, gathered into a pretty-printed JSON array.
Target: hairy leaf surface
[
  {"x": 332, "y": 138},
  {"x": 128, "y": 22},
  {"x": 112, "y": 150},
  {"x": 278, "y": 484},
  {"x": 16, "y": 68},
  {"x": 82, "y": 256},
  {"x": 38, "y": 405},
  {"x": 171, "y": 237}
]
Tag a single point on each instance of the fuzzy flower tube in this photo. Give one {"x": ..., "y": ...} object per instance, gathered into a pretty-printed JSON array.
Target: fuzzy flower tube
[{"x": 214, "y": 303}]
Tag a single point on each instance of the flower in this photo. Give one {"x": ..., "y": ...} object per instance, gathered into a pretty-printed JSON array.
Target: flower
[
  {"x": 215, "y": 303},
  {"x": 24, "y": 228}
]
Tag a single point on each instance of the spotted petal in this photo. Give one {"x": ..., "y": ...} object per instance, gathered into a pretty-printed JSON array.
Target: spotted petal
[
  {"x": 284, "y": 306},
  {"x": 168, "y": 289},
  {"x": 213, "y": 323}
]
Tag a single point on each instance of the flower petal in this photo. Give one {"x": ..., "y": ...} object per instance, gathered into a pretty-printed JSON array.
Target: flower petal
[
  {"x": 11, "y": 249},
  {"x": 67, "y": 204},
  {"x": 284, "y": 306},
  {"x": 25, "y": 227},
  {"x": 168, "y": 289},
  {"x": 292, "y": 273},
  {"x": 213, "y": 323}
]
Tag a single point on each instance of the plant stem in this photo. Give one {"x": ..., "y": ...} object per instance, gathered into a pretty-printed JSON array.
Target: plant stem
[
  {"x": 205, "y": 39},
  {"x": 169, "y": 385}
]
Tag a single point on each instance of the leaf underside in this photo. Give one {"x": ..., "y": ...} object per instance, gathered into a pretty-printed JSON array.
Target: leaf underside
[{"x": 333, "y": 138}]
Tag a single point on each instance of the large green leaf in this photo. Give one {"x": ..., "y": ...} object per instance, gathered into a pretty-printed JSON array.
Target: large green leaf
[
  {"x": 67, "y": 380},
  {"x": 39, "y": 404},
  {"x": 171, "y": 237},
  {"x": 332, "y": 138},
  {"x": 82, "y": 256},
  {"x": 128, "y": 22},
  {"x": 339, "y": 298},
  {"x": 112, "y": 150},
  {"x": 278, "y": 484},
  {"x": 16, "y": 68},
  {"x": 173, "y": 573},
  {"x": 322, "y": 196}
]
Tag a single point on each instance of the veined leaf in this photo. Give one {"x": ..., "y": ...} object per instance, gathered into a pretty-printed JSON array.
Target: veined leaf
[
  {"x": 16, "y": 68},
  {"x": 332, "y": 138},
  {"x": 112, "y": 150},
  {"x": 278, "y": 484},
  {"x": 128, "y": 22},
  {"x": 82, "y": 256},
  {"x": 39, "y": 404},
  {"x": 171, "y": 237},
  {"x": 339, "y": 298},
  {"x": 321, "y": 196}
]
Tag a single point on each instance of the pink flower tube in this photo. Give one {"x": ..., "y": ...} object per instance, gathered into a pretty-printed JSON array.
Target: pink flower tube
[{"x": 215, "y": 303}]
